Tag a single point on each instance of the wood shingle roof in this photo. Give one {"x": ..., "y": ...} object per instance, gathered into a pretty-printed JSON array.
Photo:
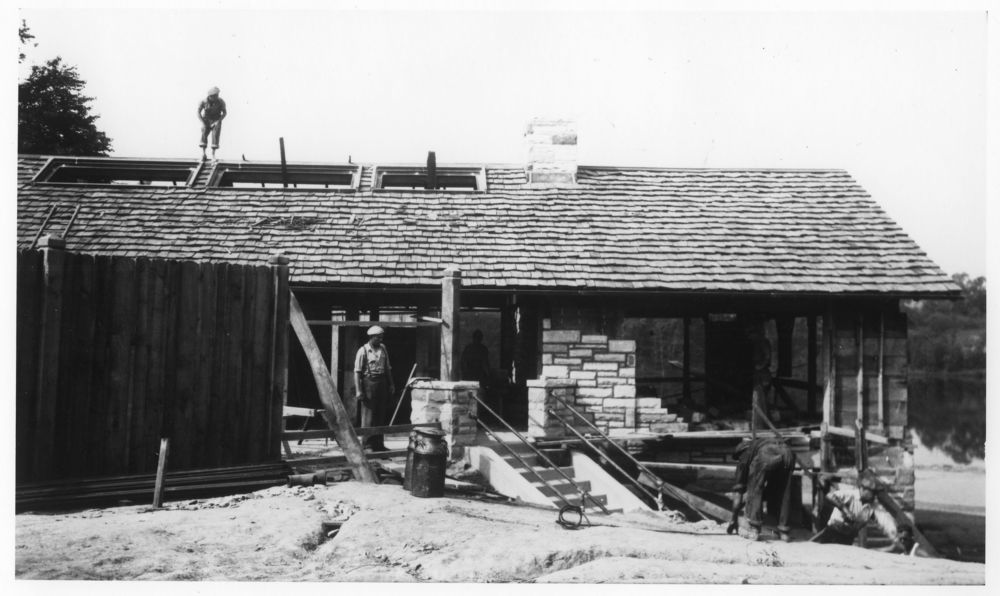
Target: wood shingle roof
[{"x": 784, "y": 231}]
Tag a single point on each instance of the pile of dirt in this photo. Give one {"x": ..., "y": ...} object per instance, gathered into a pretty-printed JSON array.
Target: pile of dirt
[{"x": 384, "y": 534}]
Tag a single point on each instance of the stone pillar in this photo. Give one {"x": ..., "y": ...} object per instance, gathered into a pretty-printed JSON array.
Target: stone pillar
[
  {"x": 451, "y": 403},
  {"x": 541, "y": 397}
]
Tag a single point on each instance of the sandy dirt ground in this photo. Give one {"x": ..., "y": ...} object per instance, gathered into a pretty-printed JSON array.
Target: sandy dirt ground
[{"x": 387, "y": 535}]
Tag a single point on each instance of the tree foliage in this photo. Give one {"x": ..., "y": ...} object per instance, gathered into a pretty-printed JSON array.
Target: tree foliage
[
  {"x": 950, "y": 336},
  {"x": 53, "y": 114}
]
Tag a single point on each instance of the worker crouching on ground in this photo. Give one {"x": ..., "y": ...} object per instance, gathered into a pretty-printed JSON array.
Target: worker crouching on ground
[
  {"x": 373, "y": 385},
  {"x": 765, "y": 467},
  {"x": 853, "y": 509},
  {"x": 211, "y": 112}
]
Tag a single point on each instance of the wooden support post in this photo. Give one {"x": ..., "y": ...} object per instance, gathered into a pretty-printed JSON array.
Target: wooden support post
[
  {"x": 451, "y": 304},
  {"x": 335, "y": 351},
  {"x": 859, "y": 340},
  {"x": 881, "y": 372},
  {"x": 811, "y": 365},
  {"x": 161, "y": 470},
  {"x": 279, "y": 350},
  {"x": 897, "y": 512},
  {"x": 336, "y": 414},
  {"x": 284, "y": 165},
  {"x": 54, "y": 265},
  {"x": 687, "y": 359},
  {"x": 350, "y": 348},
  {"x": 829, "y": 388}
]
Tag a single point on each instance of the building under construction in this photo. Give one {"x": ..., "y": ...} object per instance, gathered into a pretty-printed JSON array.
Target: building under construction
[{"x": 154, "y": 294}]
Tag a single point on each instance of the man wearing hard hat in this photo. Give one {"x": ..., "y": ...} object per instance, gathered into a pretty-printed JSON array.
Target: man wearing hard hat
[
  {"x": 373, "y": 385},
  {"x": 211, "y": 111}
]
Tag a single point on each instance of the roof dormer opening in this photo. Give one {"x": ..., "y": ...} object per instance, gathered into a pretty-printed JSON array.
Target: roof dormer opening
[
  {"x": 416, "y": 178},
  {"x": 289, "y": 176},
  {"x": 119, "y": 172}
]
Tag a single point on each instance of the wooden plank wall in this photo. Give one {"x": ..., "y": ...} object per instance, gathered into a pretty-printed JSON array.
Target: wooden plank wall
[
  {"x": 893, "y": 342},
  {"x": 115, "y": 353}
]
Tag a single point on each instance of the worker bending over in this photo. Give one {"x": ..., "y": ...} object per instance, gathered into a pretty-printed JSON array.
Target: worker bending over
[{"x": 765, "y": 465}]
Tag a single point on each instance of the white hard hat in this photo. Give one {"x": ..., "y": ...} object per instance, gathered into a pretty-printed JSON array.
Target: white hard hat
[
  {"x": 213, "y": 91},
  {"x": 376, "y": 330}
]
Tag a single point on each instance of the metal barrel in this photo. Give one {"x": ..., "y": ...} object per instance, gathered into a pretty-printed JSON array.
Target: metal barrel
[
  {"x": 430, "y": 459},
  {"x": 408, "y": 472}
]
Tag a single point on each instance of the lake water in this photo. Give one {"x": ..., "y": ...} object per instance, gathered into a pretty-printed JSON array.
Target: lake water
[{"x": 948, "y": 420}]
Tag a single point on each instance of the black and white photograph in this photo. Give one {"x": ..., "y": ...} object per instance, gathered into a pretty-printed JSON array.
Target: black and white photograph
[{"x": 427, "y": 296}]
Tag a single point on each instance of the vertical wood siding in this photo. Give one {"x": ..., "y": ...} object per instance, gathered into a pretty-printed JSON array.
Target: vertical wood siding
[{"x": 115, "y": 353}]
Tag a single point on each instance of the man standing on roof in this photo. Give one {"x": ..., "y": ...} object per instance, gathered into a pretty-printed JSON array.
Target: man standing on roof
[
  {"x": 854, "y": 508},
  {"x": 765, "y": 464},
  {"x": 373, "y": 385},
  {"x": 211, "y": 111}
]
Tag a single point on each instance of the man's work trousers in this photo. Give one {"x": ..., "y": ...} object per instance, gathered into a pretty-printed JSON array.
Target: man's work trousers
[
  {"x": 216, "y": 128},
  {"x": 771, "y": 468},
  {"x": 376, "y": 392}
]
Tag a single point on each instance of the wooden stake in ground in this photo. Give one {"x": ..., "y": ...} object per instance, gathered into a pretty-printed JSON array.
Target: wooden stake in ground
[
  {"x": 161, "y": 469},
  {"x": 336, "y": 414}
]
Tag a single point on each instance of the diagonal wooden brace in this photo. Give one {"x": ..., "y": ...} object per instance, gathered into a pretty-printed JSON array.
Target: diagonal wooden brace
[{"x": 335, "y": 413}]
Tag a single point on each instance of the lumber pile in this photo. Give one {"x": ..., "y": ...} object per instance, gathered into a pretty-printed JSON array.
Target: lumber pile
[{"x": 138, "y": 489}]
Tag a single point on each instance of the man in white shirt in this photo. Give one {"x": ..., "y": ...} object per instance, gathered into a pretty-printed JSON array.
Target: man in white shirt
[{"x": 373, "y": 385}]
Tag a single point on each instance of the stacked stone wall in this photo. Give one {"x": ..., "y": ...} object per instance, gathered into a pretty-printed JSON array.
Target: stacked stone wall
[
  {"x": 452, "y": 404},
  {"x": 604, "y": 371}
]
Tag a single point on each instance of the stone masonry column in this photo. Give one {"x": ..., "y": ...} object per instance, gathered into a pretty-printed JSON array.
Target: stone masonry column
[
  {"x": 541, "y": 397},
  {"x": 452, "y": 404}
]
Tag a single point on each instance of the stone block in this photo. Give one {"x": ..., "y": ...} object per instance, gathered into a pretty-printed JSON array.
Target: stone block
[
  {"x": 546, "y": 359},
  {"x": 607, "y": 366},
  {"x": 601, "y": 340},
  {"x": 668, "y": 427},
  {"x": 630, "y": 417},
  {"x": 630, "y": 360},
  {"x": 586, "y": 383},
  {"x": 612, "y": 402},
  {"x": 609, "y": 416},
  {"x": 627, "y": 372},
  {"x": 621, "y": 345},
  {"x": 555, "y": 349},
  {"x": 624, "y": 391},
  {"x": 608, "y": 381},
  {"x": 609, "y": 357},
  {"x": 582, "y": 374},
  {"x": 608, "y": 374},
  {"x": 581, "y": 352},
  {"x": 555, "y": 371},
  {"x": 546, "y": 324},
  {"x": 593, "y": 392},
  {"x": 589, "y": 402},
  {"x": 649, "y": 402},
  {"x": 567, "y": 361},
  {"x": 559, "y": 336}
]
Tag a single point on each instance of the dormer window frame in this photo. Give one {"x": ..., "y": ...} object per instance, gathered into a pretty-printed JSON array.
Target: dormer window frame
[
  {"x": 180, "y": 173},
  {"x": 419, "y": 173},
  {"x": 253, "y": 175}
]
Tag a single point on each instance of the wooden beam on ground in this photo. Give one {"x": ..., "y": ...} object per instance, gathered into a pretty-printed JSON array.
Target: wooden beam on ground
[
  {"x": 335, "y": 460},
  {"x": 336, "y": 414},
  {"x": 697, "y": 503},
  {"x": 451, "y": 304}
]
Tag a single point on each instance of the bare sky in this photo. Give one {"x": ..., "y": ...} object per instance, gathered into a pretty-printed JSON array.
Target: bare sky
[{"x": 896, "y": 98}]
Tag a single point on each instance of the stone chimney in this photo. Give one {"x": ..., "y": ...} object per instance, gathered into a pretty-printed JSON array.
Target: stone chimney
[{"x": 551, "y": 151}]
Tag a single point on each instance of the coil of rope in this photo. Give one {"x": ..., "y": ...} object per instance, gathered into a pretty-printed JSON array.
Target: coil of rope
[{"x": 581, "y": 517}]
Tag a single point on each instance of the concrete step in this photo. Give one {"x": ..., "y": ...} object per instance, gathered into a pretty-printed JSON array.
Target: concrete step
[
  {"x": 563, "y": 487},
  {"x": 549, "y": 474}
]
